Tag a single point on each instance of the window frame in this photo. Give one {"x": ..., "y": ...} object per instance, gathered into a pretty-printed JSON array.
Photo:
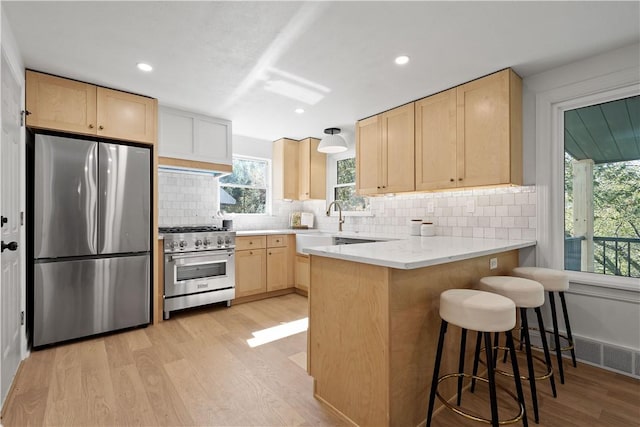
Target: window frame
[
  {"x": 332, "y": 182},
  {"x": 268, "y": 183},
  {"x": 550, "y": 108}
]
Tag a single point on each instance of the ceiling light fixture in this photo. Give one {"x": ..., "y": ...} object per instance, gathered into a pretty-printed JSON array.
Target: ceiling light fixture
[
  {"x": 299, "y": 110},
  {"x": 333, "y": 142},
  {"x": 144, "y": 67},
  {"x": 401, "y": 60}
]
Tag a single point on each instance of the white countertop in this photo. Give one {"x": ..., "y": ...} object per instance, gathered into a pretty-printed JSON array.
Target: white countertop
[
  {"x": 416, "y": 252},
  {"x": 263, "y": 232}
]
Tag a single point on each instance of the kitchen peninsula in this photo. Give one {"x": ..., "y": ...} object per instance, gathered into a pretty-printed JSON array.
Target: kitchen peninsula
[{"x": 374, "y": 321}]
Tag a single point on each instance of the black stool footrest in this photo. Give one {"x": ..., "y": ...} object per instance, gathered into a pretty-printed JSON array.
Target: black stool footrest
[{"x": 475, "y": 417}]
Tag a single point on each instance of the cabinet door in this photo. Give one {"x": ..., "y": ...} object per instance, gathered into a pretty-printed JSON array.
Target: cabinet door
[
  {"x": 436, "y": 141},
  {"x": 304, "y": 170},
  {"x": 277, "y": 268},
  {"x": 398, "y": 152},
  {"x": 60, "y": 104},
  {"x": 484, "y": 131},
  {"x": 126, "y": 116},
  {"x": 312, "y": 182},
  {"x": 285, "y": 169},
  {"x": 251, "y": 268},
  {"x": 213, "y": 140},
  {"x": 368, "y": 155},
  {"x": 303, "y": 273},
  {"x": 175, "y": 134}
]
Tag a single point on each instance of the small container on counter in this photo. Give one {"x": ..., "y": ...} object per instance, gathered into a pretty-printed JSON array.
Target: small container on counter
[
  {"x": 427, "y": 229},
  {"x": 414, "y": 227}
]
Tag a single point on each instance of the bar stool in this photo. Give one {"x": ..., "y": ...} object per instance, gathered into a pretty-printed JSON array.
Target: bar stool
[
  {"x": 525, "y": 293},
  {"x": 485, "y": 313},
  {"x": 553, "y": 281}
]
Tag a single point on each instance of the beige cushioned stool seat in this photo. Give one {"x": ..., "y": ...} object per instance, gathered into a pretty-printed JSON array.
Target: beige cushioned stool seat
[
  {"x": 523, "y": 292},
  {"x": 552, "y": 280},
  {"x": 477, "y": 310}
]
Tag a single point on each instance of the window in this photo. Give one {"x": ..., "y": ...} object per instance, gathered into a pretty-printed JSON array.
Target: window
[
  {"x": 342, "y": 178},
  {"x": 601, "y": 181},
  {"x": 246, "y": 189},
  {"x": 553, "y": 236}
]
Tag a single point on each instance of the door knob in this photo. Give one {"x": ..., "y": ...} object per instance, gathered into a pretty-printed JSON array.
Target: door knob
[
  {"x": 3, "y": 220},
  {"x": 101, "y": 127},
  {"x": 12, "y": 246}
]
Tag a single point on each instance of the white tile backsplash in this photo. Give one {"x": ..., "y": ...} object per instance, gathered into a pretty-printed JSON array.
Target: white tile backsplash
[{"x": 502, "y": 213}]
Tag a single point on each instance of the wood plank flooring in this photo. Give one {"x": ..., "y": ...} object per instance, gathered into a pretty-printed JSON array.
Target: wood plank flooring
[{"x": 197, "y": 369}]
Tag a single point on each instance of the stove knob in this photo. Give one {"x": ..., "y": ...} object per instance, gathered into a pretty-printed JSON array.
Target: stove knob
[
  {"x": 198, "y": 242},
  {"x": 170, "y": 245},
  {"x": 207, "y": 242},
  {"x": 183, "y": 244},
  {"x": 220, "y": 240},
  {"x": 227, "y": 240}
]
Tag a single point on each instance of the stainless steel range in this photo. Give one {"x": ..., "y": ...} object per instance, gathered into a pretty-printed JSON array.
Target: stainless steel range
[{"x": 199, "y": 266}]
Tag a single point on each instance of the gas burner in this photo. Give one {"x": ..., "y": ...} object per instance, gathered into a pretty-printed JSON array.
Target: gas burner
[{"x": 191, "y": 229}]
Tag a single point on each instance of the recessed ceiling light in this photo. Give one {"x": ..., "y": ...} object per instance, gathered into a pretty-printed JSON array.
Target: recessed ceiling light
[
  {"x": 401, "y": 60},
  {"x": 299, "y": 110},
  {"x": 144, "y": 67}
]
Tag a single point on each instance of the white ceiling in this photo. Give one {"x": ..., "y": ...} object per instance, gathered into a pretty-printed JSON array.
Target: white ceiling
[{"x": 235, "y": 60}]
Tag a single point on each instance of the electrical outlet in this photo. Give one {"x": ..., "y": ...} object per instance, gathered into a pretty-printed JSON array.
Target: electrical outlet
[
  {"x": 471, "y": 206},
  {"x": 430, "y": 207},
  {"x": 493, "y": 263}
]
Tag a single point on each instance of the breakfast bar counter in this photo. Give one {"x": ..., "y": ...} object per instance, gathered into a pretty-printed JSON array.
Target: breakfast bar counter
[{"x": 374, "y": 321}]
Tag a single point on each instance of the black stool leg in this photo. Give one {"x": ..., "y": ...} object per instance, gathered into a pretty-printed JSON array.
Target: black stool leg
[
  {"x": 532, "y": 374},
  {"x": 476, "y": 358},
  {"x": 496, "y": 341},
  {"x": 436, "y": 371},
  {"x": 516, "y": 377},
  {"x": 566, "y": 322},
  {"x": 492, "y": 379},
  {"x": 463, "y": 345},
  {"x": 545, "y": 346},
  {"x": 556, "y": 335}
]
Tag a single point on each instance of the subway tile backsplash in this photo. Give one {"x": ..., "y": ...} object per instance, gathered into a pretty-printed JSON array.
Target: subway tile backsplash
[{"x": 501, "y": 213}]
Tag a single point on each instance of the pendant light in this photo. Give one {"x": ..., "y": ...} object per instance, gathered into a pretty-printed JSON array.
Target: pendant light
[{"x": 333, "y": 142}]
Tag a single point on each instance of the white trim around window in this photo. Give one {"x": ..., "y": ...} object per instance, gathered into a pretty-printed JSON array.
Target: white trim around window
[
  {"x": 332, "y": 177},
  {"x": 550, "y": 108},
  {"x": 269, "y": 186}
]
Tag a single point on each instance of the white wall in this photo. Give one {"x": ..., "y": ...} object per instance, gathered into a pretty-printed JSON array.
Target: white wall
[{"x": 598, "y": 312}]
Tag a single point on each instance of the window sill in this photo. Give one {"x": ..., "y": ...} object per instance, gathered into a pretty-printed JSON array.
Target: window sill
[{"x": 601, "y": 286}]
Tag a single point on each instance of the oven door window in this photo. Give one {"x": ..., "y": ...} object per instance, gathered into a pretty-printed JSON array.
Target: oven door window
[{"x": 201, "y": 271}]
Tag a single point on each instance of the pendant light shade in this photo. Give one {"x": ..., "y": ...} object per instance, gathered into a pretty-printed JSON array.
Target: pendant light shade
[{"x": 333, "y": 142}]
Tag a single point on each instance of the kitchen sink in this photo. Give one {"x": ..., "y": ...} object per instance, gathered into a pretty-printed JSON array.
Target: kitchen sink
[{"x": 304, "y": 240}]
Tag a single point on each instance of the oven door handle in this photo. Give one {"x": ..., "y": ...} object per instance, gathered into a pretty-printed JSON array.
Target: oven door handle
[{"x": 187, "y": 263}]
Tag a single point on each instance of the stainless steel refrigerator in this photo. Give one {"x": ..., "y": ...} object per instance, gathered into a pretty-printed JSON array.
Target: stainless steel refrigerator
[{"x": 91, "y": 231}]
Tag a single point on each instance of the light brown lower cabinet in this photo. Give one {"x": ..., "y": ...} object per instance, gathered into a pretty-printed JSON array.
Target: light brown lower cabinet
[
  {"x": 264, "y": 264},
  {"x": 303, "y": 273},
  {"x": 251, "y": 269}
]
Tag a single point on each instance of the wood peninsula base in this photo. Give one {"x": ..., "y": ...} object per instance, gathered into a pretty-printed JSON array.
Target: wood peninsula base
[{"x": 373, "y": 333}]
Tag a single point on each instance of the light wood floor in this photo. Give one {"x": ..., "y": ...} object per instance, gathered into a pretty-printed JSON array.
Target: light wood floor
[{"x": 197, "y": 369}]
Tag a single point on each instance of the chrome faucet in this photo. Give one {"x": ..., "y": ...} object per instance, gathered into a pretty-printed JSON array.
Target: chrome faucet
[{"x": 340, "y": 219}]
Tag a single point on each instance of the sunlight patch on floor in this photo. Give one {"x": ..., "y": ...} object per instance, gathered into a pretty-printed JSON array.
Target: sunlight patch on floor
[{"x": 278, "y": 332}]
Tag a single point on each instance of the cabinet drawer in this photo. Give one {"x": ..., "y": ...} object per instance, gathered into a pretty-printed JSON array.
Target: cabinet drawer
[
  {"x": 250, "y": 242},
  {"x": 276, "y": 240}
]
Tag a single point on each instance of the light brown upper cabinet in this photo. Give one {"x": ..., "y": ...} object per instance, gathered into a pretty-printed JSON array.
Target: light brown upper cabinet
[
  {"x": 299, "y": 170},
  {"x": 436, "y": 141},
  {"x": 67, "y": 105},
  {"x": 490, "y": 130},
  {"x": 285, "y": 169},
  {"x": 312, "y": 183},
  {"x": 471, "y": 135},
  {"x": 385, "y": 155}
]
